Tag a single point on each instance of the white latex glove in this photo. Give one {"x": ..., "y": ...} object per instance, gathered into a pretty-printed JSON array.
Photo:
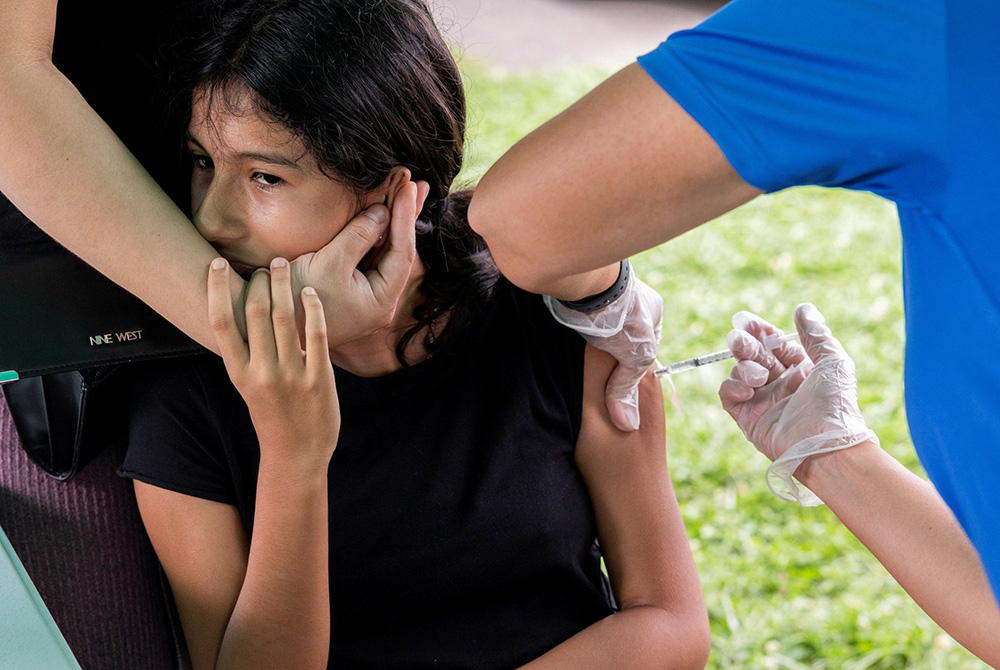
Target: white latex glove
[
  {"x": 629, "y": 330},
  {"x": 794, "y": 402}
]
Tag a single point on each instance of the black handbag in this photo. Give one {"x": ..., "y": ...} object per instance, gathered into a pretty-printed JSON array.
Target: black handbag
[
  {"x": 66, "y": 419},
  {"x": 66, "y": 332},
  {"x": 58, "y": 316}
]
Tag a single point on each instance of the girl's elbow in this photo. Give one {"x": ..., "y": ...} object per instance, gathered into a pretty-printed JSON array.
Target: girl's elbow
[
  {"x": 685, "y": 639},
  {"x": 696, "y": 640},
  {"x": 701, "y": 645}
]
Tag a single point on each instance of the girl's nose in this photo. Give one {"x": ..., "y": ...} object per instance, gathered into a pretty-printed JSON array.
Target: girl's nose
[{"x": 217, "y": 217}]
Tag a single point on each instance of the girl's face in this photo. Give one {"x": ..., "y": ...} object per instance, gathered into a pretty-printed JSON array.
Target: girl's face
[{"x": 255, "y": 190}]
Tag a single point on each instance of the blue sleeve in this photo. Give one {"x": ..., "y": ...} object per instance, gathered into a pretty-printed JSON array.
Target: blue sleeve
[{"x": 846, "y": 93}]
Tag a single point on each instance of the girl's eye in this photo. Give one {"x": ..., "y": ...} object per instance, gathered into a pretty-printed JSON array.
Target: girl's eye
[
  {"x": 265, "y": 179},
  {"x": 202, "y": 162}
]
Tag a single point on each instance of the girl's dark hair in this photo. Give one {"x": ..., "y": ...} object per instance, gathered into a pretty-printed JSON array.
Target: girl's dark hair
[{"x": 367, "y": 85}]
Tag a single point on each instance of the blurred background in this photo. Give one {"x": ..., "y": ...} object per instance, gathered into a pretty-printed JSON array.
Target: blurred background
[
  {"x": 786, "y": 587},
  {"x": 558, "y": 33}
]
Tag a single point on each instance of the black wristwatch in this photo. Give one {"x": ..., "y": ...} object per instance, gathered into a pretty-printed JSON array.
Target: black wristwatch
[{"x": 606, "y": 297}]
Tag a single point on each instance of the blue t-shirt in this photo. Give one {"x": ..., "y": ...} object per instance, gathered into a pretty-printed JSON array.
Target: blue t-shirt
[{"x": 897, "y": 97}]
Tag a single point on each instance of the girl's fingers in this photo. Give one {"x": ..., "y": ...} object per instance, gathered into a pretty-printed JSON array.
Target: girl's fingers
[
  {"x": 350, "y": 246},
  {"x": 286, "y": 333},
  {"x": 260, "y": 333},
  {"x": 220, "y": 317},
  {"x": 389, "y": 277},
  {"x": 423, "y": 190},
  {"x": 317, "y": 347}
]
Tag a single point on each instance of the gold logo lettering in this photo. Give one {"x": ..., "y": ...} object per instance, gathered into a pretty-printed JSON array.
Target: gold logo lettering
[{"x": 119, "y": 338}]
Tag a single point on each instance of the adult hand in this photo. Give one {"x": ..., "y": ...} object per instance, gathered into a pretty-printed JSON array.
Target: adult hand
[
  {"x": 360, "y": 300},
  {"x": 628, "y": 329},
  {"x": 796, "y": 401},
  {"x": 291, "y": 392}
]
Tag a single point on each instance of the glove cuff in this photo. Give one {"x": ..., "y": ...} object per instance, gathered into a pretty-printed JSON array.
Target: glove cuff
[
  {"x": 779, "y": 475},
  {"x": 602, "y": 324}
]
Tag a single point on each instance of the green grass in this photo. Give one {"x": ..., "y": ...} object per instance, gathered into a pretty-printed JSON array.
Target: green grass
[{"x": 786, "y": 587}]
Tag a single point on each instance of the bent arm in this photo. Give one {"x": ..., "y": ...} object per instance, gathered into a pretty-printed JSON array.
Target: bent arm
[
  {"x": 620, "y": 171},
  {"x": 902, "y": 520},
  {"x": 662, "y": 622},
  {"x": 64, "y": 168},
  {"x": 265, "y": 604}
]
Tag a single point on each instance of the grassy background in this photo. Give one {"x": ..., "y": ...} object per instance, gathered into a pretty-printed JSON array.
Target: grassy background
[{"x": 786, "y": 587}]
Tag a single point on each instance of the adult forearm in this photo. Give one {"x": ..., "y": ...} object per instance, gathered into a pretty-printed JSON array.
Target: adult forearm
[
  {"x": 282, "y": 616},
  {"x": 620, "y": 171},
  {"x": 65, "y": 169},
  {"x": 634, "y": 638},
  {"x": 910, "y": 530}
]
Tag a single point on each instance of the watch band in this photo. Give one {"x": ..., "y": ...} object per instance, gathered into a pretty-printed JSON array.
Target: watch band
[{"x": 606, "y": 297}]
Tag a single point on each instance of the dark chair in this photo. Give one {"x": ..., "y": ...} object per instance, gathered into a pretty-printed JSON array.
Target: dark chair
[{"x": 83, "y": 544}]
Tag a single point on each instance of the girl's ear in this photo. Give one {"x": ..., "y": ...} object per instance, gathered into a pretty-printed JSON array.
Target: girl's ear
[{"x": 386, "y": 193}]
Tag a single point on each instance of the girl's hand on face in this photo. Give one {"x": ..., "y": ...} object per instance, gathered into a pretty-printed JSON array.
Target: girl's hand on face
[
  {"x": 361, "y": 302},
  {"x": 291, "y": 392}
]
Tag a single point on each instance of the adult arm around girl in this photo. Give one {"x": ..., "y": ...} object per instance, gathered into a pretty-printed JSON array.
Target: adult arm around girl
[{"x": 65, "y": 169}]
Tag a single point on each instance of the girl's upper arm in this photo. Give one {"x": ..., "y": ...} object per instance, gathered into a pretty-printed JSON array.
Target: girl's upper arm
[
  {"x": 639, "y": 523},
  {"x": 204, "y": 550}
]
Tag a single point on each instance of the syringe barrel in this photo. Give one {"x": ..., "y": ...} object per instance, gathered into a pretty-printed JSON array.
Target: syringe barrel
[
  {"x": 775, "y": 340},
  {"x": 772, "y": 341},
  {"x": 712, "y": 358},
  {"x": 696, "y": 362}
]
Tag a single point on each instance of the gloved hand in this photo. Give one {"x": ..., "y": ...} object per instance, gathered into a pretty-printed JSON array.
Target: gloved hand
[
  {"x": 629, "y": 330},
  {"x": 794, "y": 402}
]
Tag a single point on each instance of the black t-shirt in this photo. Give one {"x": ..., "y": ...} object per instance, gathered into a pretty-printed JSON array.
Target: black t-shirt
[{"x": 461, "y": 532}]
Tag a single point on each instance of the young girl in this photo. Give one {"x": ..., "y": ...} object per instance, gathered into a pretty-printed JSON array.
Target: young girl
[{"x": 435, "y": 496}]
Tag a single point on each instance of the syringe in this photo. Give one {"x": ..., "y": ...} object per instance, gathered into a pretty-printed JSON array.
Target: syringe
[{"x": 772, "y": 341}]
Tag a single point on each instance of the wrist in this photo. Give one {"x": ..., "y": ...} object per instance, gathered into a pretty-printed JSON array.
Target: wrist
[
  {"x": 298, "y": 472},
  {"x": 582, "y": 285},
  {"x": 836, "y": 469},
  {"x": 605, "y": 293},
  {"x": 779, "y": 474}
]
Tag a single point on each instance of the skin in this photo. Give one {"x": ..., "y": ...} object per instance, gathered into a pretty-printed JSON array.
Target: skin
[
  {"x": 258, "y": 194},
  {"x": 66, "y": 170},
  {"x": 674, "y": 174},
  {"x": 121, "y": 223},
  {"x": 645, "y": 173},
  {"x": 549, "y": 222},
  {"x": 42, "y": 116},
  {"x": 253, "y": 206},
  {"x": 620, "y": 171},
  {"x": 225, "y": 582}
]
